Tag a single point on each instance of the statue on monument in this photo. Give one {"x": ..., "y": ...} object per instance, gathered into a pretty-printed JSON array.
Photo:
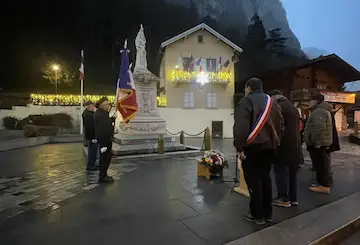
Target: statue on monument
[{"x": 141, "y": 61}]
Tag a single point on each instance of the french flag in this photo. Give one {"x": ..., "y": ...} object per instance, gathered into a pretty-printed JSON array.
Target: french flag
[
  {"x": 81, "y": 69},
  {"x": 126, "y": 91}
]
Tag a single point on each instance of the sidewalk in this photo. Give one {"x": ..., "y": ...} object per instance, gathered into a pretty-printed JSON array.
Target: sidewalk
[{"x": 160, "y": 202}]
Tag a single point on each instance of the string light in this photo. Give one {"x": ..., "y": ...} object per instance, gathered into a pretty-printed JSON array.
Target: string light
[
  {"x": 74, "y": 100},
  {"x": 202, "y": 78},
  {"x": 179, "y": 75}
]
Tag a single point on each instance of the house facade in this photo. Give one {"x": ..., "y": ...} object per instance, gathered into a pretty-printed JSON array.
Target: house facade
[
  {"x": 327, "y": 75},
  {"x": 197, "y": 80}
]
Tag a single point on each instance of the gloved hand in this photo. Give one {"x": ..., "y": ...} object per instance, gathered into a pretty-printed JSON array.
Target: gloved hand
[
  {"x": 103, "y": 149},
  {"x": 94, "y": 141}
]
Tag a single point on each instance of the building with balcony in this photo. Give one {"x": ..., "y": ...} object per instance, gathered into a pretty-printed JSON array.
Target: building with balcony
[
  {"x": 197, "y": 80},
  {"x": 327, "y": 75}
]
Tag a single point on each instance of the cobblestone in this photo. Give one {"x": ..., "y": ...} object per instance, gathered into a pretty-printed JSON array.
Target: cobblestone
[{"x": 60, "y": 177}]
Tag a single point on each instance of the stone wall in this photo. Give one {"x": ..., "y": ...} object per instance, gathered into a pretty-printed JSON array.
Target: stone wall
[{"x": 192, "y": 121}]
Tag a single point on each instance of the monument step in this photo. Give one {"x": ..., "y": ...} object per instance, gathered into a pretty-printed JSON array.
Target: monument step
[
  {"x": 145, "y": 148},
  {"x": 137, "y": 139}
]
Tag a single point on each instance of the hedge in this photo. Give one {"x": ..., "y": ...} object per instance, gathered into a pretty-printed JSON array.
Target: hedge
[{"x": 61, "y": 120}]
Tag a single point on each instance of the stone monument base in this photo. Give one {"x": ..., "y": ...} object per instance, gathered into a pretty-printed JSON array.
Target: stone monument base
[{"x": 144, "y": 144}]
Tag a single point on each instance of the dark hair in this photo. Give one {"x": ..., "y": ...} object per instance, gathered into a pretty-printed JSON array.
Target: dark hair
[
  {"x": 254, "y": 83},
  {"x": 318, "y": 97},
  {"x": 100, "y": 101},
  {"x": 274, "y": 92},
  {"x": 87, "y": 103}
]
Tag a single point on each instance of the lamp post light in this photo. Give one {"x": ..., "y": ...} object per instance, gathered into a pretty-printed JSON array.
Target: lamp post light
[{"x": 56, "y": 68}]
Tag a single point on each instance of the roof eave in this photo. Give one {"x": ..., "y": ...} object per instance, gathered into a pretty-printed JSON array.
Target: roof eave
[{"x": 201, "y": 27}]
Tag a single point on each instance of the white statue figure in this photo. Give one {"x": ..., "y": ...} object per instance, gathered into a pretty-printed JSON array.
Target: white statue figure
[{"x": 140, "y": 43}]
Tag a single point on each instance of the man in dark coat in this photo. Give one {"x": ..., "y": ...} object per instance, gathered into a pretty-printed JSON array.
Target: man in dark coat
[
  {"x": 257, "y": 132},
  {"x": 104, "y": 134},
  {"x": 289, "y": 154},
  {"x": 89, "y": 127}
]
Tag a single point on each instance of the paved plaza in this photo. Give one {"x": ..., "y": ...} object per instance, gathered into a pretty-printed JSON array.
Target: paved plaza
[{"x": 47, "y": 198}]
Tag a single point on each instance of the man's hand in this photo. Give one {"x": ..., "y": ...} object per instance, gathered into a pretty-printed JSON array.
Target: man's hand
[
  {"x": 103, "y": 149},
  {"x": 318, "y": 146},
  {"x": 241, "y": 156},
  {"x": 94, "y": 141}
]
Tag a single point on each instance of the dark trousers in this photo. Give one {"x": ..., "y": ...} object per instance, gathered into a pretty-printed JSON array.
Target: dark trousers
[
  {"x": 105, "y": 159},
  {"x": 93, "y": 149},
  {"x": 286, "y": 181},
  {"x": 257, "y": 167},
  {"x": 321, "y": 162}
]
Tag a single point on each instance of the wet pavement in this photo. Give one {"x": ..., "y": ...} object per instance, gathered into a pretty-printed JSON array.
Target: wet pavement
[{"x": 46, "y": 198}]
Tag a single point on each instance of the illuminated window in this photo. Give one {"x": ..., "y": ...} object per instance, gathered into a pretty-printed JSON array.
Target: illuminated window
[
  {"x": 321, "y": 86},
  {"x": 211, "y": 65},
  {"x": 211, "y": 100},
  {"x": 189, "y": 100}
]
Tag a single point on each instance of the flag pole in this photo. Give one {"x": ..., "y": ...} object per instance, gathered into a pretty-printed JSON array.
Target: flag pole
[{"x": 81, "y": 97}]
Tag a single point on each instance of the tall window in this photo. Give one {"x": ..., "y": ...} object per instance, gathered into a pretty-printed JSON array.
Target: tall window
[
  {"x": 211, "y": 100},
  {"x": 211, "y": 65},
  {"x": 188, "y": 64},
  {"x": 189, "y": 100}
]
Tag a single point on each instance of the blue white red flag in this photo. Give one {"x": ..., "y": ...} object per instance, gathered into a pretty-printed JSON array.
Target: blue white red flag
[
  {"x": 81, "y": 69},
  {"x": 126, "y": 92}
]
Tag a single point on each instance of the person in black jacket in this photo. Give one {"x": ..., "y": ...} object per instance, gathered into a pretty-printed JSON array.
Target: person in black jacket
[
  {"x": 257, "y": 137},
  {"x": 104, "y": 134},
  {"x": 289, "y": 155},
  {"x": 89, "y": 127}
]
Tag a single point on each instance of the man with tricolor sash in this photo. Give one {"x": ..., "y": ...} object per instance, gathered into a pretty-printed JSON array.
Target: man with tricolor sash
[{"x": 258, "y": 128}]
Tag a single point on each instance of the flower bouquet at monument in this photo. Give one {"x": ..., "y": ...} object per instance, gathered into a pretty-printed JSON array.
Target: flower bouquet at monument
[{"x": 214, "y": 159}]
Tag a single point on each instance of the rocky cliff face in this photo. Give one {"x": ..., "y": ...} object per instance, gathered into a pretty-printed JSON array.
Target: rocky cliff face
[{"x": 239, "y": 13}]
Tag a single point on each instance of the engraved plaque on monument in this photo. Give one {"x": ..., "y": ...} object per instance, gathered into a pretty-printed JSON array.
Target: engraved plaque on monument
[{"x": 141, "y": 134}]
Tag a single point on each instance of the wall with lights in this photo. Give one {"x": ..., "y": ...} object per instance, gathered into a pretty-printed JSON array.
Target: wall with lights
[
  {"x": 176, "y": 81},
  {"x": 177, "y": 119},
  {"x": 74, "y": 100}
]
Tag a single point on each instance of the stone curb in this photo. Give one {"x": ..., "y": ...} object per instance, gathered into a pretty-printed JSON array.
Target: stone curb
[
  {"x": 341, "y": 234},
  {"x": 324, "y": 225},
  {"x": 155, "y": 156},
  {"x": 12, "y": 144}
]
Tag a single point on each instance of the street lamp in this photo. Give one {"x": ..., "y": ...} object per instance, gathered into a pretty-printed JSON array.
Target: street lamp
[{"x": 56, "y": 68}]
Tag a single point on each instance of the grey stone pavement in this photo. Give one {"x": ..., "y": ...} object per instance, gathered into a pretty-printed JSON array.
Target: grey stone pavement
[{"x": 47, "y": 198}]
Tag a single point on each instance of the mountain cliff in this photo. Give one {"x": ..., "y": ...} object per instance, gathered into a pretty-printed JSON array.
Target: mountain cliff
[{"x": 239, "y": 12}]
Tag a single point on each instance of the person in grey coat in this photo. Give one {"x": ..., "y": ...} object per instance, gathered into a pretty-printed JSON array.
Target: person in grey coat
[{"x": 319, "y": 138}]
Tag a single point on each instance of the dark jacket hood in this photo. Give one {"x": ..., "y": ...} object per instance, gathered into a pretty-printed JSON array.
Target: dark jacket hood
[
  {"x": 323, "y": 105},
  {"x": 279, "y": 97}
]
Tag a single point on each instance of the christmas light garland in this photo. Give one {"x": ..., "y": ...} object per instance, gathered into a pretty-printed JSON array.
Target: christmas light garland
[
  {"x": 74, "y": 100},
  {"x": 180, "y": 75}
]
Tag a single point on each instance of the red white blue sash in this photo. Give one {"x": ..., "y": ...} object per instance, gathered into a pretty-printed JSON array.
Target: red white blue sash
[{"x": 262, "y": 119}]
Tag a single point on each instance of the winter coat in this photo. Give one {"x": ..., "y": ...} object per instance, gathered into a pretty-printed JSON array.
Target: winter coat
[
  {"x": 89, "y": 124},
  {"x": 290, "y": 149},
  {"x": 335, "y": 146},
  {"x": 103, "y": 128},
  {"x": 319, "y": 126},
  {"x": 246, "y": 114}
]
